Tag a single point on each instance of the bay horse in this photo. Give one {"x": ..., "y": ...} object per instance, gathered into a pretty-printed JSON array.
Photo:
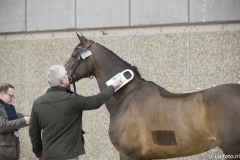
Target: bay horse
[{"x": 148, "y": 122}]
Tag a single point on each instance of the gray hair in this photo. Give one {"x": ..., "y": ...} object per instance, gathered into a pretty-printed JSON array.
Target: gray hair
[{"x": 54, "y": 75}]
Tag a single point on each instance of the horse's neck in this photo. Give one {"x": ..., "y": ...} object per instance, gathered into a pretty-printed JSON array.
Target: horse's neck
[
  {"x": 107, "y": 65},
  {"x": 105, "y": 71},
  {"x": 106, "y": 74}
]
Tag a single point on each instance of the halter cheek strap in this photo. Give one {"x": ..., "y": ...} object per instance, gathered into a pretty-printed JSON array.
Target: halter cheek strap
[{"x": 83, "y": 55}]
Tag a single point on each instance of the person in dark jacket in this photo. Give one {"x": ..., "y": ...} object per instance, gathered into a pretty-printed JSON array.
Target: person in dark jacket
[
  {"x": 10, "y": 123},
  {"x": 55, "y": 129}
]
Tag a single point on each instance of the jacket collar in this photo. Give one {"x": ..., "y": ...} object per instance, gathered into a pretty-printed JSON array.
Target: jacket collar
[
  {"x": 4, "y": 104},
  {"x": 59, "y": 88}
]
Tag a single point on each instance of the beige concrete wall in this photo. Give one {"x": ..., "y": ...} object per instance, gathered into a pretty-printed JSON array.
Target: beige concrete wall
[{"x": 179, "y": 62}]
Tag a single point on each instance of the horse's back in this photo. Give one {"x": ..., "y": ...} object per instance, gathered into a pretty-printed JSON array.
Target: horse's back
[
  {"x": 223, "y": 97},
  {"x": 225, "y": 90}
]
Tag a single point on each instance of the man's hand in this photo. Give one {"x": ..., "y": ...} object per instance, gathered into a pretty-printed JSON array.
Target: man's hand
[
  {"x": 117, "y": 83},
  {"x": 27, "y": 119},
  {"x": 39, "y": 158}
]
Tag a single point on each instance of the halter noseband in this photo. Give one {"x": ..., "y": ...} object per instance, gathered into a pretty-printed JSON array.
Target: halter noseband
[{"x": 83, "y": 55}]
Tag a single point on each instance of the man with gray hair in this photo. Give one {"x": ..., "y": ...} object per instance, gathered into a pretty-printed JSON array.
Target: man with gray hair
[{"x": 55, "y": 129}]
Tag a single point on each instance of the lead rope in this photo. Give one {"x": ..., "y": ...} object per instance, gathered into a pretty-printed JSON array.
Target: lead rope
[{"x": 74, "y": 87}]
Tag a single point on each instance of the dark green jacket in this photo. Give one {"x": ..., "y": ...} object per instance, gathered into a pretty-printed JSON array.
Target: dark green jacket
[{"x": 58, "y": 114}]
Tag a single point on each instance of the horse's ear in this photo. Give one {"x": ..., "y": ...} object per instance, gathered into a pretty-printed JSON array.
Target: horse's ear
[{"x": 81, "y": 38}]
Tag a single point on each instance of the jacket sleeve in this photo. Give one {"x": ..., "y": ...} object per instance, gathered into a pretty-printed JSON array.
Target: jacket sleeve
[
  {"x": 35, "y": 134},
  {"x": 96, "y": 101},
  {"x": 8, "y": 126},
  {"x": 20, "y": 115}
]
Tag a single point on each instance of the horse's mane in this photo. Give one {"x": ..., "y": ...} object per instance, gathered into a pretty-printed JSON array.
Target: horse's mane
[{"x": 133, "y": 68}]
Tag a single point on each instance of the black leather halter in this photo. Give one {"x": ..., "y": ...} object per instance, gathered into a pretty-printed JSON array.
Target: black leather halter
[{"x": 71, "y": 72}]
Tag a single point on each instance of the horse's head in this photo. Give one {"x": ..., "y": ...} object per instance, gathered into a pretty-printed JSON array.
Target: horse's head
[{"x": 78, "y": 65}]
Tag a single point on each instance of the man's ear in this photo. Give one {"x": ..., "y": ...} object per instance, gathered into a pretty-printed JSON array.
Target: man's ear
[
  {"x": 62, "y": 80},
  {"x": 1, "y": 94}
]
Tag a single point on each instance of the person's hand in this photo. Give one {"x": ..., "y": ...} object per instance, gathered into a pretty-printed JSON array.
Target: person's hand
[
  {"x": 117, "y": 83},
  {"x": 39, "y": 158},
  {"x": 27, "y": 119}
]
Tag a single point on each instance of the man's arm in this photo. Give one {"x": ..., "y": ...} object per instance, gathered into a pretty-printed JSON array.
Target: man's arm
[
  {"x": 96, "y": 101},
  {"x": 8, "y": 126}
]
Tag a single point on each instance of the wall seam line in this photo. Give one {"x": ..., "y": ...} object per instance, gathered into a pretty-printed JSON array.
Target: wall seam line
[
  {"x": 25, "y": 15},
  {"x": 129, "y": 9},
  {"x": 189, "y": 66},
  {"x": 188, "y": 11},
  {"x": 129, "y": 50},
  {"x": 75, "y": 14}
]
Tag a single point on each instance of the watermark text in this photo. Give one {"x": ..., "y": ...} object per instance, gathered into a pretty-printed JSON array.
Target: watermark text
[{"x": 226, "y": 156}]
